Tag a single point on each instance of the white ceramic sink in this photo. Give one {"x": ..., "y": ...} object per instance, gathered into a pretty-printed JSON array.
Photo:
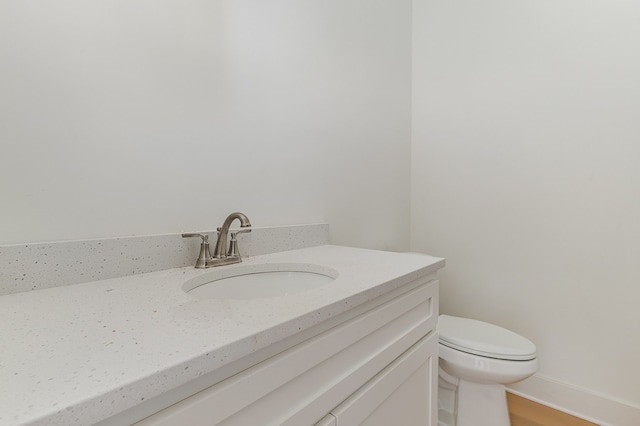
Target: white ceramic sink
[{"x": 259, "y": 281}]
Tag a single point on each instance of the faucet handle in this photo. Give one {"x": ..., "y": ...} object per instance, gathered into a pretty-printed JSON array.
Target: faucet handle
[
  {"x": 205, "y": 254},
  {"x": 242, "y": 230},
  {"x": 233, "y": 244},
  {"x": 205, "y": 237}
]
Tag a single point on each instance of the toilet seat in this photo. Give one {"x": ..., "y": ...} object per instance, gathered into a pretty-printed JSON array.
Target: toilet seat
[{"x": 484, "y": 339}]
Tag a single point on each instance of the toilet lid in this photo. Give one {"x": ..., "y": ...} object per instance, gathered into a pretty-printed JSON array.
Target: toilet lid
[{"x": 484, "y": 339}]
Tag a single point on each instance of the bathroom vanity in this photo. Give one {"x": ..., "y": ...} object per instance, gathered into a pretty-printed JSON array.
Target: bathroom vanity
[{"x": 359, "y": 348}]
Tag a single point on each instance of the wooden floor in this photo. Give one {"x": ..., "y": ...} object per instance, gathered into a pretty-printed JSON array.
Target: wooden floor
[{"x": 524, "y": 412}]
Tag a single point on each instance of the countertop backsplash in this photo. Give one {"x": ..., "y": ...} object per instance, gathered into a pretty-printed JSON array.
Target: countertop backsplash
[{"x": 27, "y": 267}]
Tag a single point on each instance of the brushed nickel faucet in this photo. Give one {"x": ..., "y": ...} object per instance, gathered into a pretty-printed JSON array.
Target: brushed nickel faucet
[{"x": 222, "y": 256}]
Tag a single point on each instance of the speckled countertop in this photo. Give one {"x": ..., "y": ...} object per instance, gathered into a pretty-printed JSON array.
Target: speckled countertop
[{"x": 82, "y": 353}]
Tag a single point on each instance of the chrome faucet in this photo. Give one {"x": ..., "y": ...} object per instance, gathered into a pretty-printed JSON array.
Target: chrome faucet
[{"x": 222, "y": 256}]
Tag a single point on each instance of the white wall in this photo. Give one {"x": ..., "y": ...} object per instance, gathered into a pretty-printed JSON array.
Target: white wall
[
  {"x": 526, "y": 176},
  {"x": 132, "y": 118}
]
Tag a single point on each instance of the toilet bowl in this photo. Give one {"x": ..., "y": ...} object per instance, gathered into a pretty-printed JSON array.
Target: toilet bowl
[{"x": 477, "y": 360}]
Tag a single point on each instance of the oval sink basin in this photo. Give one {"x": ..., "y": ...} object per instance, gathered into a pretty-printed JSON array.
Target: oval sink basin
[{"x": 259, "y": 281}]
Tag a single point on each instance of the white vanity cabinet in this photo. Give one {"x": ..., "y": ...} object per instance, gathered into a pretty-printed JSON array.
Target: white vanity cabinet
[{"x": 377, "y": 366}]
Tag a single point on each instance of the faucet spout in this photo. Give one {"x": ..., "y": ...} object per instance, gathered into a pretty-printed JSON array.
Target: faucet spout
[{"x": 223, "y": 232}]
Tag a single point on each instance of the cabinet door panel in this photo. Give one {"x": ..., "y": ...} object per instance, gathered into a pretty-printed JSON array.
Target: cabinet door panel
[
  {"x": 403, "y": 393},
  {"x": 328, "y": 420}
]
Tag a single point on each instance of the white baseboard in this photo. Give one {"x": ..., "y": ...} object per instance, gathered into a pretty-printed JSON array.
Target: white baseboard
[{"x": 578, "y": 402}]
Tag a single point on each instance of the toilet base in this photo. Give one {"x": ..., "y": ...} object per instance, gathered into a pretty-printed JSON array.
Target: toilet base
[
  {"x": 463, "y": 403},
  {"x": 482, "y": 405}
]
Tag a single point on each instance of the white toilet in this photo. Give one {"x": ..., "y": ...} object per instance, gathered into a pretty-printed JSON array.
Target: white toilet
[{"x": 476, "y": 360}]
